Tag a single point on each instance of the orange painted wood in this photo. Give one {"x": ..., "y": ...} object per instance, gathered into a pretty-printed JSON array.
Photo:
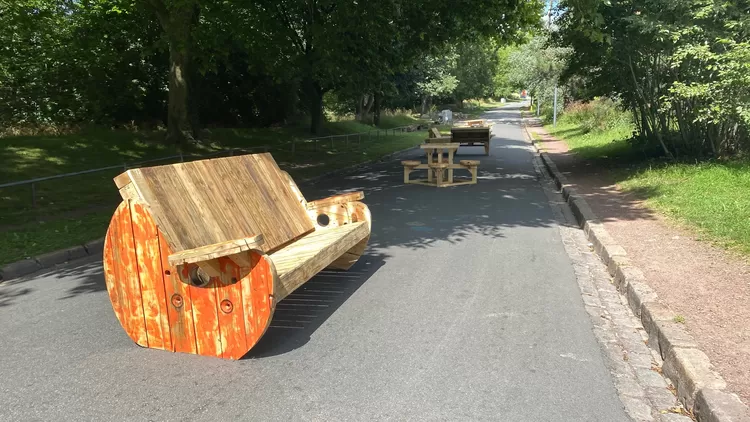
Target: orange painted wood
[
  {"x": 205, "y": 317},
  {"x": 179, "y": 304},
  {"x": 151, "y": 277},
  {"x": 257, "y": 297},
  {"x": 121, "y": 275},
  {"x": 231, "y": 311}
]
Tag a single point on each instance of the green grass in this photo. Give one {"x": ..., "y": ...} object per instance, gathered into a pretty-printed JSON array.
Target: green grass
[
  {"x": 611, "y": 144},
  {"x": 77, "y": 209},
  {"x": 712, "y": 198}
]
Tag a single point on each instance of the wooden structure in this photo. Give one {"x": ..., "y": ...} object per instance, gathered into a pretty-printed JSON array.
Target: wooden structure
[
  {"x": 435, "y": 137},
  {"x": 439, "y": 171},
  {"x": 472, "y": 136},
  {"x": 470, "y": 133},
  {"x": 198, "y": 254}
]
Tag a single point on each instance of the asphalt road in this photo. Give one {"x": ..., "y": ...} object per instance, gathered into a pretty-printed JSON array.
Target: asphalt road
[{"x": 464, "y": 308}]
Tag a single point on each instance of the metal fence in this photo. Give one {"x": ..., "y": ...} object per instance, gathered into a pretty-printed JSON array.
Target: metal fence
[
  {"x": 348, "y": 139},
  {"x": 125, "y": 166}
]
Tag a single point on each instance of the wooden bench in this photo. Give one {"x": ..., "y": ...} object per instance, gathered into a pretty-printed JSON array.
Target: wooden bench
[
  {"x": 472, "y": 166},
  {"x": 471, "y": 136},
  {"x": 435, "y": 137},
  {"x": 198, "y": 254}
]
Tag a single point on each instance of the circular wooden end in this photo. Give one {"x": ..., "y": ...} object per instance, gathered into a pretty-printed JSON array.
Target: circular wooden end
[{"x": 121, "y": 273}]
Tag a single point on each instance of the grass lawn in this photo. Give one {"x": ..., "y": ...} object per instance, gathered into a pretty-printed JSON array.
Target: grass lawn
[
  {"x": 77, "y": 209},
  {"x": 711, "y": 197}
]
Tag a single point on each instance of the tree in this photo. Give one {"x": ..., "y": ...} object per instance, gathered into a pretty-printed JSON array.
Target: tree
[{"x": 178, "y": 18}]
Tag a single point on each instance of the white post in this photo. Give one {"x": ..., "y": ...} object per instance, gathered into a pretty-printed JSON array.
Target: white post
[{"x": 554, "y": 114}]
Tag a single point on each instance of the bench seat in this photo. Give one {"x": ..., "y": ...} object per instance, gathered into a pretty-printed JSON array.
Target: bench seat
[{"x": 298, "y": 262}]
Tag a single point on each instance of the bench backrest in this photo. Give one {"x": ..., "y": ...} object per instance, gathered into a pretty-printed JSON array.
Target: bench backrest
[
  {"x": 478, "y": 133},
  {"x": 205, "y": 202}
]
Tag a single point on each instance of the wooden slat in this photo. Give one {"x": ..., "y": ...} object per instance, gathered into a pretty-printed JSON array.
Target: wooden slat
[
  {"x": 212, "y": 201},
  {"x": 122, "y": 279},
  {"x": 121, "y": 180},
  {"x": 148, "y": 264},
  {"x": 300, "y": 261},
  {"x": 336, "y": 199},
  {"x": 218, "y": 250},
  {"x": 258, "y": 286},
  {"x": 230, "y": 311},
  {"x": 180, "y": 312},
  {"x": 205, "y": 315}
]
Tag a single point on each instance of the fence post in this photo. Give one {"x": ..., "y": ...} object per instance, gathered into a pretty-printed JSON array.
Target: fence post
[
  {"x": 346, "y": 141},
  {"x": 231, "y": 152},
  {"x": 315, "y": 145},
  {"x": 182, "y": 158},
  {"x": 359, "y": 140},
  {"x": 33, "y": 195},
  {"x": 332, "y": 138},
  {"x": 294, "y": 143}
]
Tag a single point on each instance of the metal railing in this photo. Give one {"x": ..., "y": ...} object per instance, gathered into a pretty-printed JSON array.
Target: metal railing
[
  {"x": 125, "y": 166},
  {"x": 347, "y": 138}
]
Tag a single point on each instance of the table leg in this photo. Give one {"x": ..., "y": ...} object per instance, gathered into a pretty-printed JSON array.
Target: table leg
[
  {"x": 450, "y": 161},
  {"x": 429, "y": 170}
]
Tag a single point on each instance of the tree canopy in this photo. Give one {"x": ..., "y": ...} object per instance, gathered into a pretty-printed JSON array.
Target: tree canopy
[{"x": 192, "y": 63}]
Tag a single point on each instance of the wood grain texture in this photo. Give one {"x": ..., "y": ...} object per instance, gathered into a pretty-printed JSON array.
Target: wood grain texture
[
  {"x": 230, "y": 311},
  {"x": 205, "y": 314},
  {"x": 300, "y": 261},
  {"x": 150, "y": 275},
  {"x": 186, "y": 201},
  {"x": 336, "y": 200},
  {"x": 121, "y": 275},
  {"x": 217, "y": 250},
  {"x": 179, "y": 304},
  {"x": 258, "y": 286}
]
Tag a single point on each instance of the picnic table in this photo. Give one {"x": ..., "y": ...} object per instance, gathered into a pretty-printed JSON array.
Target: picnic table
[{"x": 440, "y": 167}]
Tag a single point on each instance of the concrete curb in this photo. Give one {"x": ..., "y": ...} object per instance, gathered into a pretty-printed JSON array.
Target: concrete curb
[
  {"x": 698, "y": 385},
  {"x": 95, "y": 247},
  {"x": 49, "y": 260}
]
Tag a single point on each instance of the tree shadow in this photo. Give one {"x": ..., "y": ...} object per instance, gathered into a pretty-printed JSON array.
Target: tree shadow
[{"x": 415, "y": 217}]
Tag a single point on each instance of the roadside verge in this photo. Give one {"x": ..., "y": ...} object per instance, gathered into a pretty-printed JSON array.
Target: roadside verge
[
  {"x": 48, "y": 260},
  {"x": 698, "y": 386}
]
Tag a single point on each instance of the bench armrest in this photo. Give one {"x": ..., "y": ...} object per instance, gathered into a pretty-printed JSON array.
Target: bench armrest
[
  {"x": 344, "y": 198},
  {"x": 217, "y": 250}
]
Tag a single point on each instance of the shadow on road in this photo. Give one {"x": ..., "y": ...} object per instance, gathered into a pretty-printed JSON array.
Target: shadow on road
[{"x": 414, "y": 217}]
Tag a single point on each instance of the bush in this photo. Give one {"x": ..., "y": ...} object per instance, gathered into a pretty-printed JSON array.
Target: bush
[{"x": 599, "y": 115}]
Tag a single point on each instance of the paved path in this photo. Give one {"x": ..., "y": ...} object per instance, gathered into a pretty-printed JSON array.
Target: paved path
[{"x": 466, "y": 307}]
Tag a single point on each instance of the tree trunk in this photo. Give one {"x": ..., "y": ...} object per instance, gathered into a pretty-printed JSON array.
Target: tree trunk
[
  {"x": 425, "y": 100},
  {"x": 179, "y": 128},
  {"x": 358, "y": 116},
  {"x": 178, "y": 24},
  {"x": 376, "y": 109},
  {"x": 314, "y": 94}
]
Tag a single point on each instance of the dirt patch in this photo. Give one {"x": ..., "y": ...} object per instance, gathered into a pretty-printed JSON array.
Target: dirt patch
[{"x": 707, "y": 286}]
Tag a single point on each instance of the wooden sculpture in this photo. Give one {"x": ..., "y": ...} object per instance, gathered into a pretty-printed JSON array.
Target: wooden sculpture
[{"x": 198, "y": 254}]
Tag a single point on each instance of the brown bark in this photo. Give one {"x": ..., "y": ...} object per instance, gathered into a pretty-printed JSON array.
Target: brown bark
[{"x": 178, "y": 23}]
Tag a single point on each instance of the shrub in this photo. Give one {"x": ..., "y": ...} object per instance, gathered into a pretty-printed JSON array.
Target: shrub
[{"x": 599, "y": 115}]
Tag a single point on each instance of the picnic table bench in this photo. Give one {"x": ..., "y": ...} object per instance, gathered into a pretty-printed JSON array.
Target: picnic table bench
[
  {"x": 466, "y": 135},
  {"x": 471, "y": 136},
  {"x": 198, "y": 254},
  {"x": 439, "y": 171}
]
